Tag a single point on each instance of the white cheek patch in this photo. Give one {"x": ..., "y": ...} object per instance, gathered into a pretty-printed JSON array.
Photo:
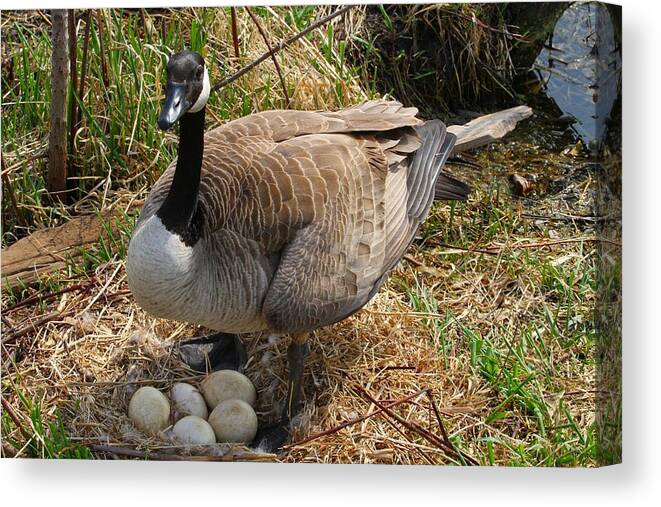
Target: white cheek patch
[{"x": 204, "y": 94}]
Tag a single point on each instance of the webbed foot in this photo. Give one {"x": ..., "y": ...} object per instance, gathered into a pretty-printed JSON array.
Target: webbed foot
[
  {"x": 220, "y": 351},
  {"x": 271, "y": 438}
]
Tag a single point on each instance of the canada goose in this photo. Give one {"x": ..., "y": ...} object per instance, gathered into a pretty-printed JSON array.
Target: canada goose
[{"x": 284, "y": 221}]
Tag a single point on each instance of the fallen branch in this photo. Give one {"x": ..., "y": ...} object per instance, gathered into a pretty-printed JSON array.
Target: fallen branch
[
  {"x": 49, "y": 250},
  {"x": 440, "y": 421}
]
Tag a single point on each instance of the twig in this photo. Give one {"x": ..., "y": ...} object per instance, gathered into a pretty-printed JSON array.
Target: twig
[
  {"x": 117, "y": 294},
  {"x": 143, "y": 20},
  {"x": 6, "y": 183},
  {"x": 13, "y": 335},
  {"x": 541, "y": 244},
  {"x": 73, "y": 71},
  {"x": 268, "y": 45},
  {"x": 481, "y": 24},
  {"x": 235, "y": 34},
  {"x": 356, "y": 420},
  {"x": 422, "y": 453},
  {"x": 83, "y": 66},
  {"x": 431, "y": 437},
  {"x": 104, "y": 64},
  {"x": 564, "y": 218},
  {"x": 280, "y": 46},
  {"x": 14, "y": 417},
  {"x": 38, "y": 298},
  {"x": 24, "y": 160},
  {"x": 439, "y": 420},
  {"x": 471, "y": 249},
  {"x": 499, "y": 249},
  {"x": 413, "y": 261}
]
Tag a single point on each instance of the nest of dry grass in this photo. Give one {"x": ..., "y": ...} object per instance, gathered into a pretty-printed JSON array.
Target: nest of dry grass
[{"x": 98, "y": 347}]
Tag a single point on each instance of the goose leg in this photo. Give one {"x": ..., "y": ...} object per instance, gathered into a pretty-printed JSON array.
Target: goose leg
[
  {"x": 273, "y": 437},
  {"x": 220, "y": 351}
]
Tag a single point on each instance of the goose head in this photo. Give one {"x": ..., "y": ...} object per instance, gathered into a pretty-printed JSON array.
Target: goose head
[{"x": 187, "y": 89}]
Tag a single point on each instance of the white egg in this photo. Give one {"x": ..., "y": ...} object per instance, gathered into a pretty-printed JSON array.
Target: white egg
[
  {"x": 234, "y": 421},
  {"x": 193, "y": 430},
  {"x": 187, "y": 400},
  {"x": 227, "y": 385},
  {"x": 149, "y": 410}
]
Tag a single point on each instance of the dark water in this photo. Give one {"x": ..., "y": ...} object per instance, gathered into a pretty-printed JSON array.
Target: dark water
[{"x": 579, "y": 69}]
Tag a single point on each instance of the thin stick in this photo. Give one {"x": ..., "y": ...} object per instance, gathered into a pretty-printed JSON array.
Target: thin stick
[
  {"x": 104, "y": 64},
  {"x": 6, "y": 183},
  {"x": 280, "y": 46},
  {"x": 410, "y": 259},
  {"x": 497, "y": 250},
  {"x": 235, "y": 34},
  {"x": 484, "y": 25},
  {"x": 564, "y": 218},
  {"x": 471, "y": 249},
  {"x": 143, "y": 20},
  {"x": 432, "y": 402},
  {"x": 268, "y": 45},
  {"x": 83, "y": 66},
  {"x": 38, "y": 298},
  {"x": 355, "y": 421},
  {"x": 408, "y": 439},
  {"x": 542, "y": 244},
  {"x": 77, "y": 112},
  {"x": 73, "y": 71},
  {"x": 418, "y": 429},
  {"x": 12, "y": 336},
  {"x": 14, "y": 417}
]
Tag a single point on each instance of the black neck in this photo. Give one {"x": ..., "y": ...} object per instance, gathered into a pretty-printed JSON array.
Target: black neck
[{"x": 178, "y": 211}]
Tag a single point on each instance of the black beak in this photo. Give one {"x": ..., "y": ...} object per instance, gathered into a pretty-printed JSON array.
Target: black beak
[{"x": 175, "y": 105}]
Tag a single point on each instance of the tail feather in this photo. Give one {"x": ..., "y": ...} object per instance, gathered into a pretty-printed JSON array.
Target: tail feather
[
  {"x": 426, "y": 165},
  {"x": 448, "y": 188}
]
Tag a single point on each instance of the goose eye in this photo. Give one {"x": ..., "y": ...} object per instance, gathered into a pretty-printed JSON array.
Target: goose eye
[{"x": 198, "y": 72}]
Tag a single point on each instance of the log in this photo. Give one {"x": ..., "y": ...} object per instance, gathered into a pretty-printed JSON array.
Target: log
[
  {"x": 49, "y": 250},
  {"x": 57, "y": 158},
  {"x": 46, "y": 251}
]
